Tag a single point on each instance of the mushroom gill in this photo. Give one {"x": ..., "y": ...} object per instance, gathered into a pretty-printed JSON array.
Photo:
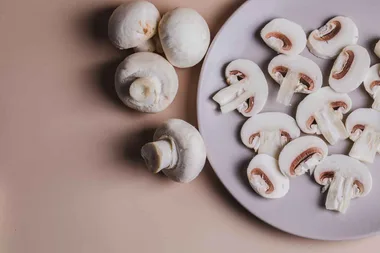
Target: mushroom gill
[
  {"x": 259, "y": 172},
  {"x": 287, "y": 44},
  {"x": 303, "y": 157},
  {"x": 346, "y": 66},
  {"x": 334, "y": 28}
]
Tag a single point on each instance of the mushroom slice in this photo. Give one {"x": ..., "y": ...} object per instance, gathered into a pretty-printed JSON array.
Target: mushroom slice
[
  {"x": 265, "y": 178},
  {"x": 284, "y": 36},
  {"x": 178, "y": 151},
  {"x": 268, "y": 132},
  {"x": 302, "y": 155},
  {"x": 349, "y": 69},
  {"x": 321, "y": 113},
  {"x": 294, "y": 74},
  {"x": 184, "y": 36},
  {"x": 146, "y": 82},
  {"x": 327, "y": 41},
  {"x": 133, "y": 24},
  {"x": 377, "y": 49},
  {"x": 247, "y": 91},
  {"x": 372, "y": 85},
  {"x": 364, "y": 127},
  {"x": 346, "y": 178}
]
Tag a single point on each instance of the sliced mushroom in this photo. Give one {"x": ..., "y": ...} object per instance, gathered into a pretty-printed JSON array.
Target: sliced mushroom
[
  {"x": 364, "y": 127},
  {"x": 247, "y": 91},
  {"x": 377, "y": 49},
  {"x": 294, "y": 74},
  {"x": 268, "y": 132},
  {"x": 133, "y": 24},
  {"x": 178, "y": 151},
  {"x": 184, "y": 36},
  {"x": 321, "y": 113},
  {"x": 146, "y": 82},
  {"x": 372, "y": 85},
  {"x": 327, "y": 41},
  {"x": 284, "y": 36},
  {"x": 346, "y": 178},
  {"x": 265, "y": 178},
  {"x": 349, "y": 69},
  {"x": 302, "y": 155}
]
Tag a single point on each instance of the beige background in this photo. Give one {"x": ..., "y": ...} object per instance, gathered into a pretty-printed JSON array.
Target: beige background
[{"x": 71, "y": 179}]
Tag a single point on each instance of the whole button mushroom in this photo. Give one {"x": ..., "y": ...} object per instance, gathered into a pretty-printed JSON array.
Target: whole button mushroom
[
  {"x": 184, "y": 36},
  {"x": 294, "y": 74},
  {"x": 133, "y": 24},
  {"x": 265, "y": 178},
  {"x": 268, "y": 132},
  {"x": 321, "y": 113},
  {"x": 327, "y": 41},
  {"x": 372, "y": 85},
  {"x": 364, "y": 127},
  {"x": 247, "y": 91},
  {"x": 178, "y": 151},
  {"x": 146, "y": 82},
  {"x": 349, "y": 69},
  {"x": 284, "y": 36},
  {"x": 376, "y": 50},
  {"x": 345, "y": 178},
  {"x": 302, "y": 155}
]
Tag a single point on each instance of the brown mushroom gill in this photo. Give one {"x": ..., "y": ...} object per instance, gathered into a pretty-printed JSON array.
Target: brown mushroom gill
[
  {"x": 374, "y": 83},
  {"x": 240, "y": 76},
  {"x": 307, "y": 81},
  {"x": 252, "y": 137},
  {"x": 303, "y": 157},
  {"x": 259, "y": 172},
  {"x": 250, "y": 101},
  {"x": 280, "y": 69},
  {"x": 326, "y": 175},
  {"x": 357, "y": 127},
  {"x": 287, "y": 44},
  {"x": 310, "y": 121},
  {"x": 338, "y": 104},
  {"x": 335, "y": 27},
  {"x": 359, "y": 185},
  {"x": 286, "y": 135},
  {"x": 346, "y": 66}
]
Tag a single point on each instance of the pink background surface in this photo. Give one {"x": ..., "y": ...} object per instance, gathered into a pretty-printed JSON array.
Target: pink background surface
[{"x": 71, "y": 179}]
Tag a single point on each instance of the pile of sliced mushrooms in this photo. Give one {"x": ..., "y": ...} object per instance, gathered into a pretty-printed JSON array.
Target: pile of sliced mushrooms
[
  {"x": 282, "y": 153},
  {"x": 147, "y": 81}
]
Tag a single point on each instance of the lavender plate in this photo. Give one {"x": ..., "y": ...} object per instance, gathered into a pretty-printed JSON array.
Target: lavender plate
[{"x": 301, "y": 211}]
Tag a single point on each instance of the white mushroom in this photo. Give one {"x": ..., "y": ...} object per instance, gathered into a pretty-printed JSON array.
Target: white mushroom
[
  {"x": 247, "y": 91},
  {"x": 349, "y": 69},
  {"x": 372, "y": 85},
  {"x": 178, "y": 151},
  {"x": 346, "y": 178},
  {"x": 184, "y": 36},
  {"x": 133, "y": 24},
  {"x": 322, "y": 112},
  {"x": 284, "y": 36},
  {"x": 265, "y": 178},
  {"x": 146, "y": 82},
  {"x": 268, "y": 132},
  {"x": 377, "y": 49},
  {"x": 364, "y": 128},
  {"x": 327, "y": 41},
  {"x": 302, "y": 155},
  {"x": 294, "y": 74}
]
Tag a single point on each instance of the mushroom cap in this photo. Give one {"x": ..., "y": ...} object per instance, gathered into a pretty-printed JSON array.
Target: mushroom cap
[
  {"x": 254, "y": 81},
  {"x": 297, "y": 64},
  {"x": 350, "y": 69},
  {"x": 373, "y": 78},
  {"x": 292, "y": 152},
  {"x": 184, "y": 36},
  {"x": 284, "y": 36},
  {"x": 146, "y": 65},
  {"x": 133, "y": 23},
  {"x": 362, "y": 118},
  {"x": 346, "y": 167},
  {"x": 312, "y": 103},
  {"x": 331, "y": 42},
  {"x": 270, "y": 121},
  {"x": 268, "y": 165},
  {"x": 190, "y": 148},
  {"x": 376, "y": 50}
]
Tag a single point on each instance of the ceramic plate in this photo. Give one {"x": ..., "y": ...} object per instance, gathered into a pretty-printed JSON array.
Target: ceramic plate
[{"x": 301, "y": 211}]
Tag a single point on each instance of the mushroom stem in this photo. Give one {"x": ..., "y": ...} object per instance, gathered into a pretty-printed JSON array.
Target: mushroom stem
[
  {"x": 308, "y": 164},
  {"x": 340, "y": 193},
  {"x": 232, "y": 97},
  {"x": 271, "y": 143},
  {"x": 376, "y": 98},
  {"x": 287, "y": 88},
  {"x": 330, "y": 124},
  {"x": 159, "y": 155},
  {"x": 144, "y": 90},
  {"x": 366, "y": 147}
]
